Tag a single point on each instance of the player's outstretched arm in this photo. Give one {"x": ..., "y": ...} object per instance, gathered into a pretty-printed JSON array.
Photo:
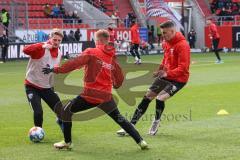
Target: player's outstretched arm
[{"x": 70, "y": 65}]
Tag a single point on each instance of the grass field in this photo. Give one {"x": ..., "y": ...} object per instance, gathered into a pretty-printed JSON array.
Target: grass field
[{"x": 190, "y": 129}]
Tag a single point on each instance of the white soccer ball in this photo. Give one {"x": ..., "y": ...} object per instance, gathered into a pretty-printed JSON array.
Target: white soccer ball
[
  {"x": 125, "y": 45},
  {"x": 36, "y": 134}
]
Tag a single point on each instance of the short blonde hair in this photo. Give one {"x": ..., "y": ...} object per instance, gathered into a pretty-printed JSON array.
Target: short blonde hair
[
  {"x": 56, "y": 31},
  {"x": 102, "y": 34}
]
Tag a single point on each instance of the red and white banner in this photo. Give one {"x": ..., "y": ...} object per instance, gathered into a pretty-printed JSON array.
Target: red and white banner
[{"x": 160, "y": 8}]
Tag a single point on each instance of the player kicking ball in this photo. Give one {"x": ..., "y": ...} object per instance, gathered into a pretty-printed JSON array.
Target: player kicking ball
[
  {"x": 102, "y": 72},
  {"x": 39, "y": 86},
  {"x": 171, "y": 76}
]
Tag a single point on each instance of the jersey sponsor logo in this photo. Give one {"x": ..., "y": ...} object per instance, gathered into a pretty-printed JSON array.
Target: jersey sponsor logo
[{"x": 106, "y": 65}]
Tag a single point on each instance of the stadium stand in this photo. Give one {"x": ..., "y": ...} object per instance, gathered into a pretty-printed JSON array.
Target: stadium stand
[
  {"x": 227, "y": 12},
  {"x": 29, "y": 15},
  {"x": 124, "y": 7}
]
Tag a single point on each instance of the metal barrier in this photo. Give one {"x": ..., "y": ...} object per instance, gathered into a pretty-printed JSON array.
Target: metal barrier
[{"x": 226, "y": 20}]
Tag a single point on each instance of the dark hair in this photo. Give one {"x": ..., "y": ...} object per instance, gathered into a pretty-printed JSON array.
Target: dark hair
[{"x": 167, "y": 24}]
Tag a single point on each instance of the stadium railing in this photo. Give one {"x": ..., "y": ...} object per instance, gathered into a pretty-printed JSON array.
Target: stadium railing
[{"x": 226, "y": 20}]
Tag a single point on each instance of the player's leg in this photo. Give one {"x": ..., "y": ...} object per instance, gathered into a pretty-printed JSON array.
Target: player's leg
[
  {"x": 160, "y": 104},
  {"x": 215, "y": 48},
  {"x": 4, "y": 53},
  {"x": 136, "y": 46},
  {"x": 53, "y": 101},
  {"x": 76, "y": 105},
  {"x": 191, "y": 44},
  {"x": 132, "y": 51},
  {"x": 50, "y": 97},
  {"x": 35, "y": 102},
  {"x": 111, "y": 109},
  {"x": 157, "y": 86}
]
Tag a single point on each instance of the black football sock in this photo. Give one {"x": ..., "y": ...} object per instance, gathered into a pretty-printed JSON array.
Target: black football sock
[
  {"x": 60, "y": 123},
  {"x": 67, "y": 131},
  {"x": 160, "y": 105},
  {"x": 217, "y": 55},
  {"x": 141, "y": 109}
]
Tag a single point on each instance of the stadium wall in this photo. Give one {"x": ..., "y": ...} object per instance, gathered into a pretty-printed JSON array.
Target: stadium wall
[{"x": 15, "y": 51}]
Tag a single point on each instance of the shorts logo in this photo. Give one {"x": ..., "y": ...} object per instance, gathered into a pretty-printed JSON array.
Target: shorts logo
[
  {"x": 174, "y": 88},
  {"x": 30, "y": 95}
]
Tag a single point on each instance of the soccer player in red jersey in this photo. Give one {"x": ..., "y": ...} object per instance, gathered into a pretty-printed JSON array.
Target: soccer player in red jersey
[
  {"x": 102, "y": 72},
  {"x": 135, "y": 41},
  {"x": 215, "y": 37},
  {"x": 172, "y": 75}
]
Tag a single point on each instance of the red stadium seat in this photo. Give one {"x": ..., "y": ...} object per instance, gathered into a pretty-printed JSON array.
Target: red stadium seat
[
  {"x": 67, "y": 26},
  {"x": 31, "y": 14},
  {"x": 33, "y": 26},
  {"x": 31, "y": 1},
  {"x": 59, "y": 21},
  {"x": 44, "y": 27},
  {"x": 21, "y": 8},
  {"x": 21, "y": 14},
  {"x": 237, "y": 18},
  {"x": 231, "y": 23},
  {"x": 35, "y": 7},
  {"x": 42, "y": 21},
  {"x": 108, "y": 2},
  {"x": 54, "y": 20},
  {"x": 32, "y": 21},
  {"x": 225, "y": 23},
  {"x": 238, "y": 23},
  {"x": 37, "y": 19}
]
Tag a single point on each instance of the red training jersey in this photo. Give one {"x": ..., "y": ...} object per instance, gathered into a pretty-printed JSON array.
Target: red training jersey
[
  {"x": 135, "y": 37},
  {"x": 213, "y": 31},
  {"x": 176, "y": 60},
  {"x": 101, "y": 72}
]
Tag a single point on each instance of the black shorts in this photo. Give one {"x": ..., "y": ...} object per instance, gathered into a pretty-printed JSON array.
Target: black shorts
[{"x": 169, "y": 86}]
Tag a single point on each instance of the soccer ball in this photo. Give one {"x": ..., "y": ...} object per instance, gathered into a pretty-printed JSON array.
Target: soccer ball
[
  {"x": 36, "y": 134},
  {"x": 124, "y": 45}
]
